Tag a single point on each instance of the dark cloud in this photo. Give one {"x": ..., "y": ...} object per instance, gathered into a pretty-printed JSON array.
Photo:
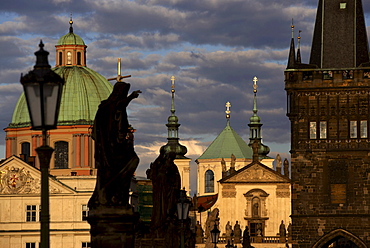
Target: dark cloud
[{"x": 214, "y": 48}]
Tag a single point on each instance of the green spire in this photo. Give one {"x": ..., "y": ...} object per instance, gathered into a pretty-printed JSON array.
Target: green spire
[
  {"x": 173, "y": 129},
  {"x": 255, "y": 125}
]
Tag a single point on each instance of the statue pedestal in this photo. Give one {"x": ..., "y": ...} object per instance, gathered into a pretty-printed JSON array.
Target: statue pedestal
[
  {"x": 282, "y": 239},
  {"x": 258, "y": 239},
  {"x": 113, "y": 227}
]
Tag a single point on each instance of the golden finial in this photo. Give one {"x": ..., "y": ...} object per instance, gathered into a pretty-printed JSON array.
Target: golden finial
[
  {"x": 173, "y": 84},
  {"x": 228, "y": 105}
]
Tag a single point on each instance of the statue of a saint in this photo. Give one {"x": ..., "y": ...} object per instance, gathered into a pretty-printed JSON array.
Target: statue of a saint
[
  {"x": 237, "y": 232},
  {"x": 115, "y": 157},
  {"x": 166, "y": 189},
  {"x": 246, "y": 238},
  {"x": 223, "y": 165},
  {"x": 198, "y": 233},
  {"x": 282, "y": 230},
  {"x": 228, "y": 231},
  {"x": 211, "y": 221}
]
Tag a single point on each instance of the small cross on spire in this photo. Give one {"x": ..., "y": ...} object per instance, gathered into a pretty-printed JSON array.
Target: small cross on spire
[
  {"x": 119, "y": 77},
  {"x": 228, "y": 105},
  {"x": 255, "y": 80}
]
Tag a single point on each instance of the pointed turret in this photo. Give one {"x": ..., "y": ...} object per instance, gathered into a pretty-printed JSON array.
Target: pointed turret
[
  {"x": 299, "y": 60},
  {"x": 291, "y": 59},
  {"x": 255, "y": 126},
  {"x": 173, "y": 130},
  {"x": 338, "y": 24}
]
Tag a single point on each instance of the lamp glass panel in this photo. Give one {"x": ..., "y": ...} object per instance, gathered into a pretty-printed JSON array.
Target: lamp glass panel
[
  {"x": 51, "y": 91},
  {"x": 32, "y": 94}
]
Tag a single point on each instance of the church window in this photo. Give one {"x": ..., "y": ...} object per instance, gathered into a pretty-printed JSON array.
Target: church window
[
  {"x": 31, "y": 213},
  {"x": 60, "y": 58},
  {"x": 323, "y": 130},
  {"x": 256, "y": 207},
  {"x": 25, "y": 149},
  {"x": 30, "y": 245},
  {"x": 61, "y": 155},
  {"x": 209, "y": 182},
  {"x": 69, "y": 58},
  {"x": 363, "y": 129},
  {"x": 78, "y": 58},
  {"x": 85, "y": 212},
  {"x": 86, "y": 245},
  {"x": 313, "y": 130},
  {"x": 353, "y": 129}
]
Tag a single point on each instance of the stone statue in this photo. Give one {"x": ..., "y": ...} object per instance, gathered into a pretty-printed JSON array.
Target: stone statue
[
  {"x": 278, "y": 163},
  {"x": 255, "y": 209},
  {"x": 166, "y": 183},
  {"x": 223, "y": 165},
  {"x": 246, "y": 238},
  {"x": 237, "y": 232},
  {"x": 229, "y": 232},
  {"x": 233, "y": 160},
  {"x": 289, "y": 230},
  {"x": 286, "y": 167},
  {"x": 198, "y": 233},
  {"x": 282, "y": 230},
  {"x": 115, "y": 157},
  {"x": 211, "y": 221}
]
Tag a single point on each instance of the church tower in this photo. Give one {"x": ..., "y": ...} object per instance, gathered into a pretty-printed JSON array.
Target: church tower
[
  {"x": 328, "y": 107},
  {"x": 83, "y": 91},
  {"x": 173, "y": 145}
]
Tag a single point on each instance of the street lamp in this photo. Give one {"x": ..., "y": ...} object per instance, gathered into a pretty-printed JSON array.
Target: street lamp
[
  {"x": 183, "y": 206},
  {"x": 215, "y": 234},
  {"x": 43, "y": 90}
]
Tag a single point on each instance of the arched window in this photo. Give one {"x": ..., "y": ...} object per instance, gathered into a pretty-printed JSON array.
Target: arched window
[
  {"x": 209, "y": 182},
  {"x": 60, "y": 58},
  {"x": 69, "y": 58},
  {"x": 25, "y": 147},
  {"x": 78, "y": 58},
  {"x": 61, "y": 155}
]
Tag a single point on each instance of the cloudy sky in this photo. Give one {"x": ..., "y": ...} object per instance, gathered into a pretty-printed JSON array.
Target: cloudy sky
[{"x": 214, "y": 48}]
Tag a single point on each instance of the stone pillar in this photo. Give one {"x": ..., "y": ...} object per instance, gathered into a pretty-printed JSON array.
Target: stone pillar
[
  {"x": 86, "y": 150},
  {"x": 113, "y": 227}
]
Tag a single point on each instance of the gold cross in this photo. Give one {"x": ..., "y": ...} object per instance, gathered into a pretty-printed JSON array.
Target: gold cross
[
  {"x": 255, "y": 79},
  {"x": 173, "y": 83},
  {"x": 119, "y": 77}
]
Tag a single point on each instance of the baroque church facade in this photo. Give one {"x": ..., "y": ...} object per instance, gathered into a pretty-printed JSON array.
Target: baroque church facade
[
  {"x": 328, "y": 107},
  {"x": 243, "y": 185}
]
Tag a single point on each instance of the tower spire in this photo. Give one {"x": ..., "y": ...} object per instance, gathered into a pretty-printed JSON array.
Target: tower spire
[
  {"x": 299, "y": 60},
  {"x": 173, "y": 144},
  {"x": 339, "y": 39},
  {"x": 70, "y": 25},
  {"x": 291, "y": 59},
  {"x": 255, "y": 125}
]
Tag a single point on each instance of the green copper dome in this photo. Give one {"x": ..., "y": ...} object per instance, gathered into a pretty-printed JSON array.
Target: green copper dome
[
  {"x": 83, "y": 91},
  {"x": 227, "y": 142},
  {"x": 70, "y": 39}
]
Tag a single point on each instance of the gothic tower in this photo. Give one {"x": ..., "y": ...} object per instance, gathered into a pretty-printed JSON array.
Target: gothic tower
[{"x": 328, "y": 107}]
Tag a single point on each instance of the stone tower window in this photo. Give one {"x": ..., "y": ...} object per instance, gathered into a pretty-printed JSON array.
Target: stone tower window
[
  {"x": 209, "y": 182},
  {"x": 61, "y": 155},
  {"x": 313, "y": 130},
  {"x": 363, "y": 129},
  {"x": 353, "y": 129},
  {"x": 323, "y": 130},
  {"x": 25, "y": 147}
]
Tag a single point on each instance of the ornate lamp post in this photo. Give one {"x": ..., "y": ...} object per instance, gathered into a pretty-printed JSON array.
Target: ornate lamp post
[
  {"x": 43, "y": 90},
  {"x": 183, "y": 206},
  {"x": 215, "y": 234}
]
